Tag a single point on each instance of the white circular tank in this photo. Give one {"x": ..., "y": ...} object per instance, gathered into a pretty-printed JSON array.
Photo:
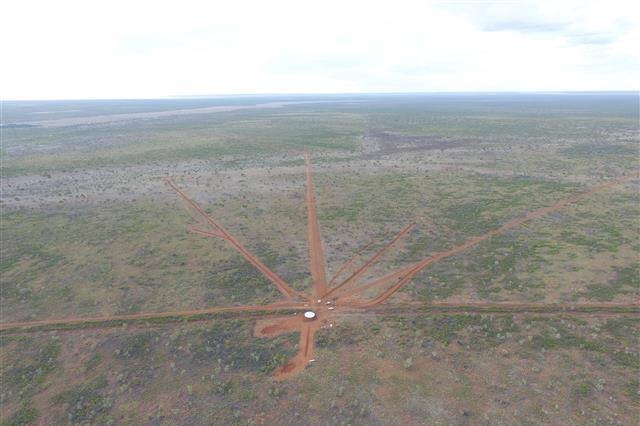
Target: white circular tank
[{"x": 309, "y": 315}]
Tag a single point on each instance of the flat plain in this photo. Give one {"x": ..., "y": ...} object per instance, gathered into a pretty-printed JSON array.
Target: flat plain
[{"x": 89, "y": 229}]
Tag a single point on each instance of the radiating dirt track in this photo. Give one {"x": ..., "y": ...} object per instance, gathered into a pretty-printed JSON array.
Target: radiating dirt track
[
  {"x": 360, "y": 271},
  {"x": 349, "y": 263},
  {"x": 304, "y": 356},
  {"x": 269, "y": 327},
  {"x": 342, "y": 299},
  {"x": 513, "y": 223},
  {"x": 316, "y": 255},
  {"x": 216, "y": 230}
]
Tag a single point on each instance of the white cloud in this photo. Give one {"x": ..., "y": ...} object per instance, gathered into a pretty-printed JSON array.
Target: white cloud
[{"x": 116, "y": 49}]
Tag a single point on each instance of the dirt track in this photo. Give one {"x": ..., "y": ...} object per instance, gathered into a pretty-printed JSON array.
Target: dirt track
[
  {"x": 513, "y": 223},
  {"x": 579, "y": 309},
  {"x": 316, "y": 254},
  {"x": 144, "y": 316},
  {"x": 351, "y": 300},
  {"x": 216, "y": 230},
  {"x": 271, "y": 326},
  {"x": 360, "y": 271}
]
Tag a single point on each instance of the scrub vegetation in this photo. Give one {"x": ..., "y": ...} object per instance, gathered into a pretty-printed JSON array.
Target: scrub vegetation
[{"x": 89, "y": 229}]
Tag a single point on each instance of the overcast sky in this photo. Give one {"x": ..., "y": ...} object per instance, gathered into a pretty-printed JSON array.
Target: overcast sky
[{"x": 146, "y": 49}]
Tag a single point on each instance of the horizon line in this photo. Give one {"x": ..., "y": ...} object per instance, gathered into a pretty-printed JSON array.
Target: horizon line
[{"x": 274, "y": 94}]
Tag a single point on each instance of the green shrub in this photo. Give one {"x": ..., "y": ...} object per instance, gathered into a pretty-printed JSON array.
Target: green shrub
[
  {"x": 25, "y": 415},
  {"x": 86, "y": 402}
]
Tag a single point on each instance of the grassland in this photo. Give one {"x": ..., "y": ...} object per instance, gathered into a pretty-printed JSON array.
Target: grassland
[{"x": 88, "y": 229}]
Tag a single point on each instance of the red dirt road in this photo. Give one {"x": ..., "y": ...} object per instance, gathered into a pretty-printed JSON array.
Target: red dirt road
[
  {"x": 343, "y": 301},
  {"x": 281, "y": 324},
  {"x": 511, "y": 308},
  {"x": 216, "y": 230},
  {"x": 360, "y": 271},
  {"x": 513, "y": 223},
  {"x": 179, "y": 315},
  {"x": 348, "y": 264},
  {"x": 316, "y": 254}
]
